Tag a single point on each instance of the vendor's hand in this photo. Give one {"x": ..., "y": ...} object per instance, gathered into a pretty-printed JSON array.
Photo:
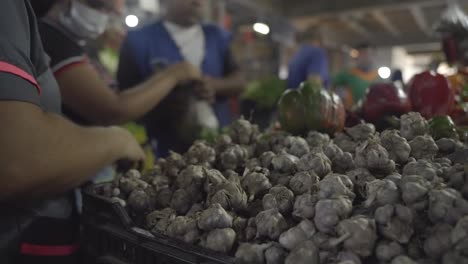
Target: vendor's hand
[
  {"x": 129, "y": 149},
  {"x": 206, "y": 89},
  {"x": 185, "y": 72}
]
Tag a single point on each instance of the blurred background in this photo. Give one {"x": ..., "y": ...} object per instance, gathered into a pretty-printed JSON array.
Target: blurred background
[{"x": 264, "y": 31}]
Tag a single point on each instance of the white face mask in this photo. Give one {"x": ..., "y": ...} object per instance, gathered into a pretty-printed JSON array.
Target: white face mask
[{"x": 84, "y": 21}]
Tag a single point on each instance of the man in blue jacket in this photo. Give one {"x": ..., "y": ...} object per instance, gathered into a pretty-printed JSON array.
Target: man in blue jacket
[
  {"x": 180, "y": 36},
  {"x": 310, "y": 61}
]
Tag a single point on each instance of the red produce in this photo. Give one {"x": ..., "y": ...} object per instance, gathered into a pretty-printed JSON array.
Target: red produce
[
  {"x": 431, "y": 95},
  {"x": 384, "y": 99}
]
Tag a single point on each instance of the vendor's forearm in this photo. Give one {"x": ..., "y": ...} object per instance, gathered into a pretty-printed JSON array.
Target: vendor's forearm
[
  {"x": 231, "y": 85},
  {"x": 135, "y": 102},
  {"x": 87, "y": 95},
  {"x": 46, "y": 154}
]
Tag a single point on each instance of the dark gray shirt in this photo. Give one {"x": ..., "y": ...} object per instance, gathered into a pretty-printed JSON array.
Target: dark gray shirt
[
  {"x": 24, "y": 71},
  {"x": 26, "y": 77}
]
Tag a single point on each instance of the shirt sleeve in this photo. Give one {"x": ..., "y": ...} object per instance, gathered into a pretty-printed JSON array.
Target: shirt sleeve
[
  {"x": 63, "y": 51},
  {"x": 17, "y": 72},
  {"x": 128, "y": 74}
]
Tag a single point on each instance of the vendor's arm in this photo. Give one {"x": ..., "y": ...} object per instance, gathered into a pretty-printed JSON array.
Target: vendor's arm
[
  {"x": 85, "y": 93},
  {"x": 44, "y": 154},
  {"x": 232, "y": 84}
]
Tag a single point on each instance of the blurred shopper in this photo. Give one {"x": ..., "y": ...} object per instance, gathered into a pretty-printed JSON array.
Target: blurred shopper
[
  {"x": 352, "y": 83},
  {"x": 87, "y": 97},
  {"x": 397, "y": 78},
  {"x": 43, "y": 155},
  {"x": 453, "y": 29},
  {"x": 310, "y": 62},
  {"x": 180, "y": 36}
]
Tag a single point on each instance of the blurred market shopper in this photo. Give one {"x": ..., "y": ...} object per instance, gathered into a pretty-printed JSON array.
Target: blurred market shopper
[
  {"x": 180, "y": 36},
  {"x": 310, "y": 63},
  {"x": 352, "y": 83},
  {"x": 87, "y": 98},
  {"x": 453, "y": 30},
  {"x": 44, "y": 155}
]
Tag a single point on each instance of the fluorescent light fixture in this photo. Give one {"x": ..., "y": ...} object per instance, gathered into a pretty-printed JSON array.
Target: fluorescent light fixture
[
  {"x": 132, "y": 21},
  {"x": 261, "y": 28},
  {"x": 384, "y": 72}
]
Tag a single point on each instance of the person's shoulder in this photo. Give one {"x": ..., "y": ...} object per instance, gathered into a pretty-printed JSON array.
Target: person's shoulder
[
  {"x": 53, "y": 38},
  {"x": 213, "y": 28},
  {"x": 310, "y": 49},
  {"x": 147, "y": 29}
]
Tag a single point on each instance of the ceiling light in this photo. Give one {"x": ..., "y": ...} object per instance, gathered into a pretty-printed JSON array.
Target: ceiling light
[
  {"x": 261, "y": 28},
  {"x": 132, "y": 21},
  {"x": 384, "y": 72}
]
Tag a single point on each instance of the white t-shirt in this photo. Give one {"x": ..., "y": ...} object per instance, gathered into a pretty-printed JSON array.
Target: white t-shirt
[
  {"x": 191, "y": 44},
  {"x": 189, "y": 40}
]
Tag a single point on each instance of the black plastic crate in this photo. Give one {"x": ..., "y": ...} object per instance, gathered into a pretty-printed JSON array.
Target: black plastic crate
[{"x": 111, "y": 237}]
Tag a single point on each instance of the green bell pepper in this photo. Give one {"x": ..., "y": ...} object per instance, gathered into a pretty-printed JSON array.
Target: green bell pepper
[
  {"x": 311, "y": 108},
  {"x": 442, "y": 127}
]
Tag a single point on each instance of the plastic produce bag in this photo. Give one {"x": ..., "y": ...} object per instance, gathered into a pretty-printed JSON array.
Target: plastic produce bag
[
  {"x": 199, "y": 116},
  {"x": 453, "y": 21},
  {"x": 453, "y": 27}
]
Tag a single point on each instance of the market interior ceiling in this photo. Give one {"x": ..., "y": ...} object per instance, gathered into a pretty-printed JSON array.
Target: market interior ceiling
[{"x": 381, "y": 22}]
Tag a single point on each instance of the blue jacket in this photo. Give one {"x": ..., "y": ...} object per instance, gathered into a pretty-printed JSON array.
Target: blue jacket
[
  {"x": 308, "y": 60},
  {"x": 151, "y": 48}
]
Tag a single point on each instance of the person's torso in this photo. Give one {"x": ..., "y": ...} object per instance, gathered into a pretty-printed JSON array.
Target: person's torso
[
  {"x": 189, "y": 41},
  {"x": 17, "y": 217},
  {"x": 65, "y": 51},
  {"x": 155, "y": 49},
  {"x": 359, "y": 82},
  {"x": 300, "y": 65}
]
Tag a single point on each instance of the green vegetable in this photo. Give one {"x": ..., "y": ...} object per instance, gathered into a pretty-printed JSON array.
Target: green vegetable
[
  {"x": 291, "y": 112},
  {"x": 463, "y": 133},
  {"x": 311, "y": 108},
  {"x": 265, "y": 93},
  {"x": 442, "y": 127}
]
